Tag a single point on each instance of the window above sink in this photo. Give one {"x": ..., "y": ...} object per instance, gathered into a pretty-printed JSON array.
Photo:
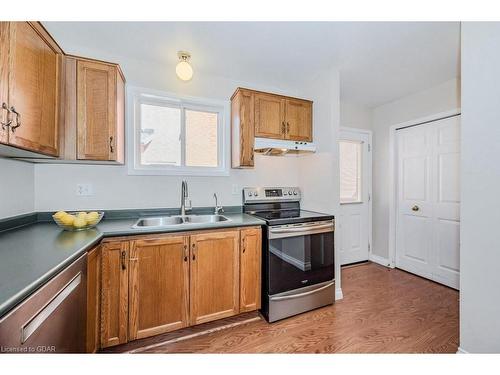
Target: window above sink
[{"x": 173, "y": 135}]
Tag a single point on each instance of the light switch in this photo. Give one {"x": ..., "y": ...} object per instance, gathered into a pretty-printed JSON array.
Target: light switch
[{"x": 84, "y": 190}]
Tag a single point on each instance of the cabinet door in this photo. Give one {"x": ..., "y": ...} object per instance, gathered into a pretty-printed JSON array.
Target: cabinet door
[
  {"x": 114, "y": 294},
  {"x": 269, "y": 116},
  {"x": 34, "y": 62},
  {"x": 93, "y": 298},
  {"x": 158, "y": 285},
  {"x": 250, "y": 269},
  {"x": 214, "y": 276},
  {"x": 96, "y": 111},
  {"x": 298, "y": 117},
  {"x": 4, "y": 80}
]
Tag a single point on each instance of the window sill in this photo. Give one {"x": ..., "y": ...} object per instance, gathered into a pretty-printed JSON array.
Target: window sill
[{"x": 178, "y": 172}]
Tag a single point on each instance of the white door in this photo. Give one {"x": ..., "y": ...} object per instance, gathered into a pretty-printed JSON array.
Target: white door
[
  {"x": 428, "y": 220},
  {"x": 355, "y": 189}
]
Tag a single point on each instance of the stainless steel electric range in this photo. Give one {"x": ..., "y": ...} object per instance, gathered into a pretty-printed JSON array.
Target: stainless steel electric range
[{"x": 298, "y": 252}]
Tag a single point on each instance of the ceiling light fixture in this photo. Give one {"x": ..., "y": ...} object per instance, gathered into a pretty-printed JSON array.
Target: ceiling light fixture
[{"x": 183, "y": 69}]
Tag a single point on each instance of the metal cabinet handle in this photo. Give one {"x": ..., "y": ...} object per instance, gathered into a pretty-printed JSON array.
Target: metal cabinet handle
[
  {"x": 123, "y": 255},
  {"x": 287, "y": 127},
  {"x": 292, "y": 296},
  {"x": 18, "y": 119},
  {"x": 111, "y": 144},
  {"x": 415, "y": 208},
  {"x": 283, "y": 127},
  {"x": 185, "y": 253},
  {"x": 9, "y": 121},
  {"x": 244, "y": 245},
  {"x": 194, "y": 255}
]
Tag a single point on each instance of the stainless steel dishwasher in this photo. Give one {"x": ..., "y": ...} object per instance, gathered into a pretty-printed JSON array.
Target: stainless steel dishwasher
[{"x": 52, "y": 320}]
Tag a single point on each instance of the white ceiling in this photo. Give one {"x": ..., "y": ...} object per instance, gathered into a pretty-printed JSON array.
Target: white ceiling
[{"x": 378, "y": 61}]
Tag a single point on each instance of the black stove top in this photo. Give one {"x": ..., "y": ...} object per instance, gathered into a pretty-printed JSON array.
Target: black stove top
[{"x": 280, "y": 217}]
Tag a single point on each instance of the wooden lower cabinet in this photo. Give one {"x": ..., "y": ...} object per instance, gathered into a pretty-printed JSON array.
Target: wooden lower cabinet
[
  {"x": 154, "y": 284},
  {"x": 158, "y": 285},
  {"x": 214, "y": 277},
  {"x": 250, "y": 269},
  {"x": 93, "y": 297},
  {"x": 114, "y": 293}
]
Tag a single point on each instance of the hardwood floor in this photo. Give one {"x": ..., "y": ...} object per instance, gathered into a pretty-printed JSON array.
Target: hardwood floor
[{"x": 383, "y": 311}]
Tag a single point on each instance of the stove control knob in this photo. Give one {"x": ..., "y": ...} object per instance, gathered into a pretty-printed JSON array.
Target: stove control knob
[
  {"x": 250, "y": 193},
  {"x": 255, "y": 194},
  {"x": 295, "y": 192}
]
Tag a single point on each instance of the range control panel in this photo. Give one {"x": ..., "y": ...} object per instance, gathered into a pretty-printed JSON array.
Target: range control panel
[{"x": 267, "y": 194}]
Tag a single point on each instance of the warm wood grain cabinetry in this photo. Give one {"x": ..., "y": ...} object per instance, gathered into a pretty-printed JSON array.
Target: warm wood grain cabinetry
[
  {"x": 93, "y": 111},
  {"x": 159, "y": 283},
  {"x": 30, "y": 70},
  {"x": 214, "y": 283},
  {"x": 93, "y": 298},
  {"x": 68, "y": 107},
  {"x": 265, "y": 115},
  {"x": 250, "y": 269},
  {"x": 114, "y": 293}
]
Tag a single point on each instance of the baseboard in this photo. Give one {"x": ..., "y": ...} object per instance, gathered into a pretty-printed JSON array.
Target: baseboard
[
  {"x": 378, "y": 259},
  {"x": 338, "y": 294},
  {"x": 462, "y": 351}
]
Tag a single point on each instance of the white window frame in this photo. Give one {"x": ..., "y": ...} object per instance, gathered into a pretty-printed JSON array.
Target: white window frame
[{"x": 138, "y": 95}]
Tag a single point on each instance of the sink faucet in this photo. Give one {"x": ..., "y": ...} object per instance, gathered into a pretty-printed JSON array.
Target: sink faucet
[
  {"x": 218, "y": 209},
  {"x": 185, "y": 198}
]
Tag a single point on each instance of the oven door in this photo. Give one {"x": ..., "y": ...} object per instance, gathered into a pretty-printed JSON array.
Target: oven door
[{"x": 300, "y": 255}]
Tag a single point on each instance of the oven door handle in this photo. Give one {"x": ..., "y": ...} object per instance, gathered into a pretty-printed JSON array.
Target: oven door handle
[
  {"x": 302, "y": 229},
  {"x": 291, "y": 296}
]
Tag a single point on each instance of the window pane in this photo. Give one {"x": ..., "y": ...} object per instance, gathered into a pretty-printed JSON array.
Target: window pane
[
  {"x": 160, "y": 135},
  {"x": 350, "y": 171},
  {"x": 201, "y": 139}
]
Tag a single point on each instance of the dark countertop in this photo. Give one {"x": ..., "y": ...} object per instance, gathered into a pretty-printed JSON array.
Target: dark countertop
[{"x": 32, "y": 254}]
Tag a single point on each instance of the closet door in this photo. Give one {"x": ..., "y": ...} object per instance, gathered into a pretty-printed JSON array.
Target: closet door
[{"x": 428, "y": 222}]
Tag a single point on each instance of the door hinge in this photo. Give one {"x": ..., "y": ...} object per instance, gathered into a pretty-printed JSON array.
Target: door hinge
[
  {"x": 369, "y": 197},
  {"x": 369, "y": 248},
  {"x": 369, "y": 147}
]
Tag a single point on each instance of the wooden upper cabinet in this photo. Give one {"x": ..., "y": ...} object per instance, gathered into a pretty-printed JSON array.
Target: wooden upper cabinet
[
  {"x": 33, "y": 64},
  {"x": 114, "y": 293},
  {"x": 242, "y": 129},
  {"x": 298, "y": 117},
  {"x": 214, "y": 276},
  {"x": 269, "y": 116},
  {"x": 97, "y": 91},
  {"x": 158, "y": 285},
  {"x": 265, "y": 115},
  {"x": 250, "y": 269}
]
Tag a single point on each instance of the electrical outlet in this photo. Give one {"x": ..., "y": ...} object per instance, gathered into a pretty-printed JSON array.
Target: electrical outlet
[
  {"x": 235, "y": 189},
  {"x": 84, "y": 190}
]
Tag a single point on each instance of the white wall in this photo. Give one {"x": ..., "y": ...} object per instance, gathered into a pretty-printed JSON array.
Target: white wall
[
  {"x": 437, "y": 99},
  {"x": 480, "y": 214},
  {"x": 353, "y": 115},
  {"x": 16, "y": 188},
  {"x": 319, "y": 172},
  {"x": 55, "y": 185}
]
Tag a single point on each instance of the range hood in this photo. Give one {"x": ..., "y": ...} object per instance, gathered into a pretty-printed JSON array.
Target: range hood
[{"x": 277, "y": 147}]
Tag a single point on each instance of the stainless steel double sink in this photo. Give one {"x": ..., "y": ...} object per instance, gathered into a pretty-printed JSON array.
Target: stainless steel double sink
[{"x": 171, "y": 221}]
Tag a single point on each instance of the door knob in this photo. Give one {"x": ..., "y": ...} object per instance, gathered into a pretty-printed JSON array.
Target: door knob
[{"x": 415, "y": 208}]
